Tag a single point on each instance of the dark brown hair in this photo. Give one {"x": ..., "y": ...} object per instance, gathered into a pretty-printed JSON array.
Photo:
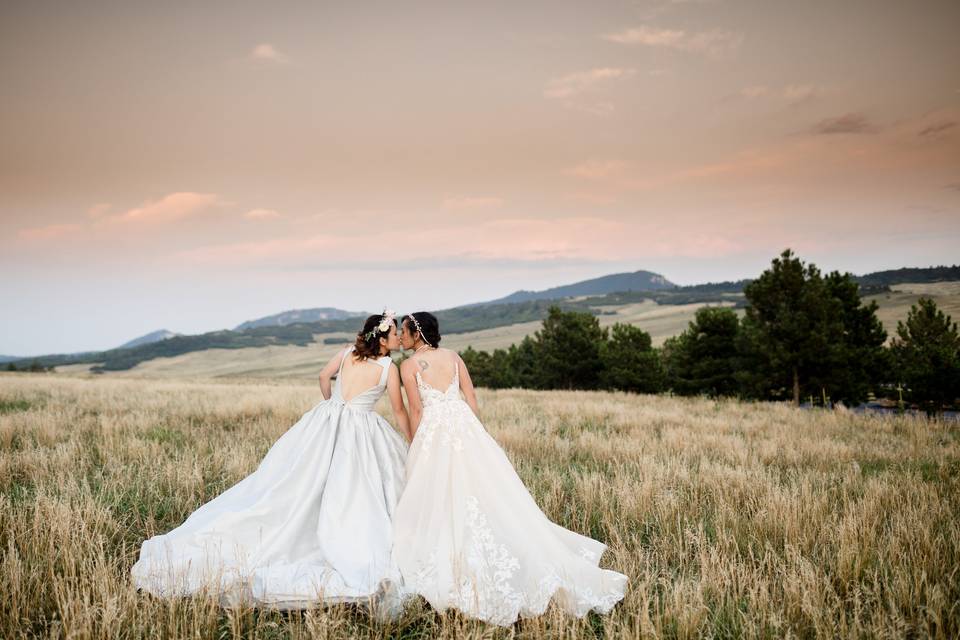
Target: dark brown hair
[
  {"x": 364, "y": 347},
  {"x": 428, "y": 325}
]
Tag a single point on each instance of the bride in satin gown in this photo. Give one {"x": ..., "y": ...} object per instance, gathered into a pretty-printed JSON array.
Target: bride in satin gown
[
  {"x": 467, "y": 533},
  {"x": 313, "y": 522}
]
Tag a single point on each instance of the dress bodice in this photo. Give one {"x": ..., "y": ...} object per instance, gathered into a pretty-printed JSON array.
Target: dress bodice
[
  {"x": 365, "y": 400},
  {"x": 431, "y": 396}
]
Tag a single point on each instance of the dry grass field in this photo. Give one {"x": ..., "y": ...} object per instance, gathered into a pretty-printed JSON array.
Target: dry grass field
[{"x": 731, "y": 519}]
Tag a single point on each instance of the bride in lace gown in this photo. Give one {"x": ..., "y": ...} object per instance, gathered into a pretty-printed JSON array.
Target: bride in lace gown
[
  {"x": 313, "y": 522},
  {"x": 467, "y": 533}
]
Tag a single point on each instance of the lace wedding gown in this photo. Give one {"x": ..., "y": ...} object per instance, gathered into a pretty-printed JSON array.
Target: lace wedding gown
[
  {"x": 312, "y": 523},
  {"x": 468, "y": 534}
]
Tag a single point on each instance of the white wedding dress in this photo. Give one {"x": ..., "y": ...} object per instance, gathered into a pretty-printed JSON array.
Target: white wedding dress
[
  {"x": 468, "y": 534},
  {"x": 311, "y": 524}
]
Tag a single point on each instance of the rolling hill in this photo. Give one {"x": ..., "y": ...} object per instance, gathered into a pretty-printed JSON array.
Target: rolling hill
[
  {"x": 635, "y": 281},
  {"x": 153, "y": 336},
  {"x": 296, "y": 316}
]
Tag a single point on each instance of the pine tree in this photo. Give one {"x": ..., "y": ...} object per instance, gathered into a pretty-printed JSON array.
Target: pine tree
[
  {"x": 927, "y": 355},
  {"x": 629, "y": 361},
  {"x": 521, "y": 366},
  {"x": 793, "y": 320},
  {"x": 856, "y": 361},
  {"x": 479, "y": 365},
  {"x": 704, "y": 358},
  {"x": 568, "y": 350}
]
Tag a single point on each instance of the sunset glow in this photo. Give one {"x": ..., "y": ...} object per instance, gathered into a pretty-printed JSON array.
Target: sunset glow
[{"x": 196, "y": 166}]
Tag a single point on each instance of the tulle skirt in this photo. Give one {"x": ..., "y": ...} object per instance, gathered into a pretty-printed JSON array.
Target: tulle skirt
[{"x": 468, "y": 534}]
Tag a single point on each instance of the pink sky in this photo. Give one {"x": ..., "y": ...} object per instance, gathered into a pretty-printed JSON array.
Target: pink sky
[{"x": 193, "y": 167}]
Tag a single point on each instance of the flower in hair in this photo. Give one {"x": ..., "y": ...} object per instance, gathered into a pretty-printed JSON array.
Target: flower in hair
[{"x": 384, "y": 326}]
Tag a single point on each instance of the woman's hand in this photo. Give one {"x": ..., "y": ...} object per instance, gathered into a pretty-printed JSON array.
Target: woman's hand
[
  {"x": 408, "y": 370},
  {"x": 328, "y": 372},
  {"x": 396, "y": 401}
]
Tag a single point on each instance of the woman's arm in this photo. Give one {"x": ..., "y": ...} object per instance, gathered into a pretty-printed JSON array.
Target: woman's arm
[
  {"x": 326, "y": 374},
  {"x": 408, "y": 377},
  {"x": 396, "y": 401},
  {"x": 466, "y": 385}
]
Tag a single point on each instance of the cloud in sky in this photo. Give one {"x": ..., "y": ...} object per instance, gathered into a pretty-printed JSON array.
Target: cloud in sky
[
  {"x": 937, "y": 129},
  {"x": 171, "y": 207},
  {"x": 713, "y": 42},
  {"x": 847, "y": 123},
  {"x": 578, "y": 82},
  {"x": 574, "y": 88},
  {"x": 269, "y": 53}
]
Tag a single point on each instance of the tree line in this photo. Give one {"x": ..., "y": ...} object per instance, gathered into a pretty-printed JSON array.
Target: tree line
[{"x": 803, "y": 335}]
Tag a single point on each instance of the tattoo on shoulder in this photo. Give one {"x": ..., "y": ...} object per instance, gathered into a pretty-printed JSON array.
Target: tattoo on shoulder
[{"x": 423, "y": 364}]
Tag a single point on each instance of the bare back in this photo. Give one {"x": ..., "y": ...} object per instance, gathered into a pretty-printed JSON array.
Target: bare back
[
  {"x": 437, "y": 367},
  {"x": 358, "y": 376}
]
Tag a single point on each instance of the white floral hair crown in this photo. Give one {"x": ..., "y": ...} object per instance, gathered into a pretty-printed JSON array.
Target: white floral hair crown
[{"x": 385, "y": 321}]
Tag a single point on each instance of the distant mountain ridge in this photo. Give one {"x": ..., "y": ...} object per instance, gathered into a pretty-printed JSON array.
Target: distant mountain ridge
[
  {"x": 292, "y": 327},
  {"x": 153, "y": 336},
  {"x": 615, "y": 282},
  {"x": 295, "y": 316}
]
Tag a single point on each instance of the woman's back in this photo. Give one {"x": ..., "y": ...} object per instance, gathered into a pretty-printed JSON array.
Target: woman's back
[
  {"x": 356, "y": 376},
  {"x": 437, "y": 367},
  {"x": 361, "y": 378}
]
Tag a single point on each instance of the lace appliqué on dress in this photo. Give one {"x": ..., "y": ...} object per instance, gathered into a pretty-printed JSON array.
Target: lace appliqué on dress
[
  {"x": 486, "y": 586},
  {"x": 446, "y": 416}
]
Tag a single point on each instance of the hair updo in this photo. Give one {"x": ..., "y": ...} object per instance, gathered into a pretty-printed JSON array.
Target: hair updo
[
  {"x": 370, "y": 347},
  {"x": 427, "y": 324}
]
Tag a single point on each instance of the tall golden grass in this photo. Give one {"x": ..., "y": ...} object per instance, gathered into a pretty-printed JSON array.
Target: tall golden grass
[{"x": 731, "y": 519}]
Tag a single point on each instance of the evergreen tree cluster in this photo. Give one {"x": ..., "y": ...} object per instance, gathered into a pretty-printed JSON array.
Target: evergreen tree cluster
[
  {"x": 571, "y": 351},
  {"x": 803, "y": 335}
]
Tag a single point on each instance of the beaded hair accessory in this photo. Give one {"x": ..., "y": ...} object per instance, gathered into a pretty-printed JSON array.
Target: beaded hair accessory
[
  {"x": 419, "y": 330},
  {"x": 385, "y": 321}
]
